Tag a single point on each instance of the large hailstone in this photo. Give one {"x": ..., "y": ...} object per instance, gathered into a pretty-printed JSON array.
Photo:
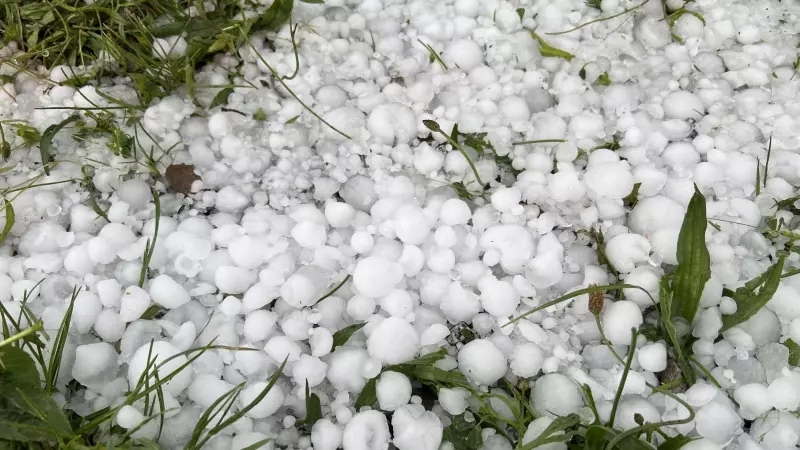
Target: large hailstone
[
  {"x": 376, "y": 277},
  {"x": 513, "y": 242},
  {"x": 555, "y": 394},
  {"x": 368, "y": 430},
  {"x": 393, "y": 341},
  {"x": 482, "y": 362},
  {"x": 416, "y": 429}
]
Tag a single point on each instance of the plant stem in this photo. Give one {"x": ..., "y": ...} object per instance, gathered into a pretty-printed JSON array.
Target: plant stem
[{"x": 22, "y": 334}]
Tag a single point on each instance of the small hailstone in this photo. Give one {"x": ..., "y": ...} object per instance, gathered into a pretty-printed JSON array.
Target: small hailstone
[
  {"x": 309, "y": 234},
  {"x": 259, "y": 295},
  {"x": 310, "y": 370},
  {"x": 338, "y": 214},
  {"x": 267, "y": 406},
  {"x": 259, "y": 325},
  {"x": 464, "y": 53},
  {"x": 718, "y": 422},
  {"x": 93, "y": 363},
  {"x": 392, "y": 123},
  {"x": 498, "y": 297},
  {"x": 646, "y": 278},
  {"x": 206, "y": 389},
  {"x": 455, "y": 212},
  {"x": 368, "y": 430},
  {"x": 376, "y": 277},
  {"x": 233, "y": 280},
  {"x": 618, "y": 320},
  {"x": 398, "y": 303},
  {"x": 633, "y": 405},
  {"x": 109, "y": 326},
  {"x": 129, "y": 417},
  {"x": 325, "y": 435},
  {"x": 414, "y": 428},
  {"x": 167, "y": 292},
  {"x": 133, "y": 304},
  {"x": 85, "y": 310},
  {"x": 321, "y": 342},
  {"x": 454, "y": 400},
  {"x": 626, "y": 250},
  {"x": 159, "y": 352},
  {"x": 135, "y": 192},
  {"x": 434, "y": 334},
  {"x": 652, "y": 357},
  {"x": 393, "y": 390},
  {"x": 482, "y": 362},
  {"x": 393, "y": 341},
  {"x": 361, "y": 242},
  {"x": 683, "y": 105},
  {"x": 526, "y": 360},
  {"x": 411, "y": 225},
  {"x": 110, "y": 292},
  {"x": 281, "y": 347},
  {"x": 653, "y": 213},
  {"x": 753, "y": 400},
  {"x": 556, "y": 394}
]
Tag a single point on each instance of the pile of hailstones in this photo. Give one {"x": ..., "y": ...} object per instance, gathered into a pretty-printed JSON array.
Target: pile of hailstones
[{"x": 286, "y": 209}]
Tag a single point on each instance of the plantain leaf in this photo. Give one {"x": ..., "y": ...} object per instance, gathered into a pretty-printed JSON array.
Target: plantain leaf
[
  {"x": 748, "y": 301},
  {"x": 694, "y": 262}
]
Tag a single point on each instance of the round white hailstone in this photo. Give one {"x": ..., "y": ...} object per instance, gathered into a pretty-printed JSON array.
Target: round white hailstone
[
  {"x": 784, "y": 303},
  {"x": 416, "y": 429},
  {"x": 93, "y": 361},
  {"x": 680, "y": 155},
  {"x": 392, "y": 123},
  {"x": 309, "y": 369},
  {"x": 249, "y": 439},
  {"x": 625, "y": 250},
  {"x": 556, "y": 394},
  {"x": 109, "y": 326},
  {"x": 498, "y": 297},
  {"x": 325, "y": 435},
  {"x": 268, "y": 405},
  {"x": 764, "y": 327},
  {"x": 206, "y": 389},
  {"x": 309, "y": 234},
  {"x": 233, "y": 280},
  {"x": 707, "y": 324},
  {"x": 683, "y": 105},
  {"x": 362, "y": 242},
  {"x": 618, "y": 320},
  {"x": 101, "y": 250},
  {"x": 259, "y": 325},
  {"x": 282, "y": 347},
  {"x": 707, "y": 444},
  {"x": 231, "y": 200},
  {"x": 398, "y": 303},
  {"x": 321, "y": 342},
  {"x": 718, "y": 422},
  {"x": 109, "y": 291},
  {"x": 134, "y": 303},
  {"x": 455, "y": 212},
  {"x": 129, "y": 417},
  {"x": 612, "y": 180},
  {"x": 646, "y": 278},
  {"x": 393, "y": 390},
  {"x": 412, "y": 226},
  {"x": 753, "y": 400},
  {"x": 482, "y": 362},
  {"x": 160, "y": 352},
  {"x": 360, "y": 307},
  {"x": 368, "y": 430},
  {"x": 536, "y": 428},
  {"x": 434, "y": 334},
  {"x": 393, "y": 341},
  {"x": 514, "y": 243},
  {"x": 167, "y": 292},
  {"x": 86, "y": 308},
  {"x": 784, "y": 394},
  {"x": 454, "y": 400},
  {"x": 376, "y": 277},
  {"x": 338, "y": 214},
  {"x": 652, "y": 357},
  {"x": 258, "y": 296},
  {"x": 246, "y": 251},
  {"x": 135, "y": 192},
  {"x": 653, "y": 213},
  {"x": 504, "y": 199},
  {"x": 344, "y": 368},
  {"x": 564, "y": 186},
  {"x": 629, "y": 406},
  {"x": 545, "y": 270},
  {"x": 712, "y": 292},
  {"x": 665, "y": 244},
  {"x": 464, "y": 53},
  {"x": 526, "y": 360},
  {"x": 515, "y": 109}
]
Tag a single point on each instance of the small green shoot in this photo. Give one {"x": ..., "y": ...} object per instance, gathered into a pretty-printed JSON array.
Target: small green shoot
[
  {"x": 151, "y": 244},
  {"x": 521, "y": 13},
  {"x": 46, "y": 143},
  {"x": 260, "y": 115},
  {"x": 292, "y": 120},
  {"x": 603, "y": 79},
  {"x": 436, "y": 128},
  {"x": 548, "y": 51},
  {"x": 433, "y": 55}
]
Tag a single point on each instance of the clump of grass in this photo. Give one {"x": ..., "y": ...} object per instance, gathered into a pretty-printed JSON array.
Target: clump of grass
[{"x": 118, "y": 37}]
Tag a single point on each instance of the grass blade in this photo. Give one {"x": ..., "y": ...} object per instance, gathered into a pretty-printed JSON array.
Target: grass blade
[
  {"x": 46, "y": 143},
  {"x": 313, "y": 408},
  {"x": 51, "y": 377},
  {"x": 694, "y": 262},
  {"x": 10, "y": 217},
  {"x": 748, "y": 302},
  {"x": 665, "y": 308},
  {"x": 625, "y": 371},
  {"x": 333, "y": 291}
]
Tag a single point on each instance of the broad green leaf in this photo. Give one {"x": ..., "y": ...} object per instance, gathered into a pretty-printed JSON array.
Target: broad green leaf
[
  {"x": 368, "y": 395},
  {"x": 748, "y": 302},
  {"x": 342, "y": 336},
  {"x": 30, "y": 415},
  {"x": 794, "y": 352},
  {"x": 275, "y": 16},
  {"x": 676, "y": 442},
  {"x": 549, "y": 435},
  {"x": 46, "y": 143},
  {"x": 18, "y": 369},
  {"x": 221, "y": 98},
  {"x": 548, "y": 51},
  {"x": 694, "y": 262},
  {"x": 10, "y": 217}
]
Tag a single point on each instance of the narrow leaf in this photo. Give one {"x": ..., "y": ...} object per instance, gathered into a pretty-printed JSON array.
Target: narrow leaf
[
  {"x": 46, "y": 143},
  {"x": 368, "y": 395},
  {"x": 10, "y": 217},
  {"x": 313, "y": 408},
  {"x": 548, "y": 51},
  {"x": 794, "y": 352},
  {"x": 221, "y": 98},
  {"x": 694, "y": 262},
  {"x": 748, "y": 302},
  {"x": 342, "y": 336}
]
